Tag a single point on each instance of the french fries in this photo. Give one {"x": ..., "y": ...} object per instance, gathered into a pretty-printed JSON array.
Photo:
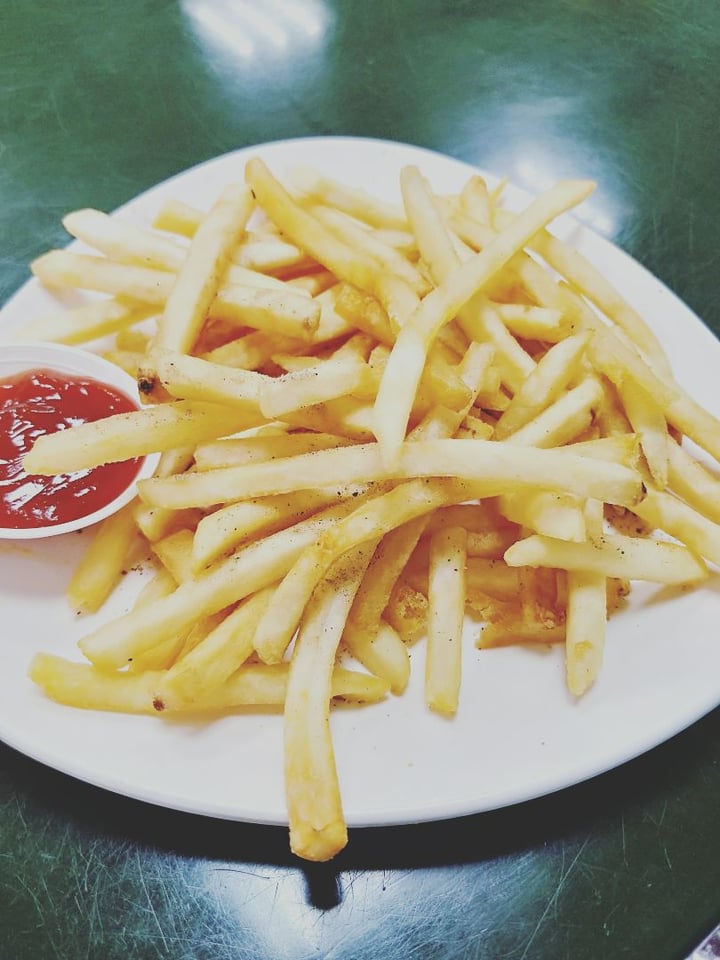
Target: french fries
[{"x": 374, "y": 419}]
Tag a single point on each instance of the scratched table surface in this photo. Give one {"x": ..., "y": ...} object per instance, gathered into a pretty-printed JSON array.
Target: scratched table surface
[{"x": 101, "y": 100}]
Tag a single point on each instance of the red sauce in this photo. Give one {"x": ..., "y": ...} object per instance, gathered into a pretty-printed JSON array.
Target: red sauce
[{"x": 43, "y": 401}]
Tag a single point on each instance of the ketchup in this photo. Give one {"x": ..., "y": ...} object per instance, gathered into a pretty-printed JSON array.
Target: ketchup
[{"x": 44, "y": 401}]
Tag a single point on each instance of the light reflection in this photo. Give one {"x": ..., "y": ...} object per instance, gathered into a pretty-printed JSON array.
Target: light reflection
[
  {"x": 240, "y": 28},
  {"x": 534, "y": 169}
]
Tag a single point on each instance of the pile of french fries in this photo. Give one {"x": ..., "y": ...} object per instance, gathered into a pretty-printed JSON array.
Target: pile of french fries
[{"x": 379, "y": 424}]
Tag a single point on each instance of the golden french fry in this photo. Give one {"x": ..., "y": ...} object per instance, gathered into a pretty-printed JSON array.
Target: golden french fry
[
  {"x": 191, "y": 378},
  {"x": 88, "y": 322},
  {"x": 317, "y": 824},
  {"x": 648, "y": 422},
  {"x": 446, "y": 615},
  {"x": 503, "y": 467},
  {"x": 693, "y": 482},
  {"x": 175, "y": 553},
  {"x": 104, "y": 562},
  {"x": 123, "y": 241},
  {"x": 200, "y": 275},
  {"x": 126, "y": 435},
  {"x": 613, "y": 555},
  {"x": 380, "y": 651},
  {"x": 244, "y": 450},
  {"x": 587, "y": 606},
  {"x": 552, "y": 514},
  {"x": 535, "y": 323},
  {"x": 351, "y": 200},
  {"x": 317, "y": 384},
  {"x": 662, "y": 511},
  {"x": 286, "y": 312},
  {"x": 86, "y": 687}
]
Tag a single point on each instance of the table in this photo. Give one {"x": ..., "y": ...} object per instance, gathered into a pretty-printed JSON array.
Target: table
[{"x": 101, "y": 100}]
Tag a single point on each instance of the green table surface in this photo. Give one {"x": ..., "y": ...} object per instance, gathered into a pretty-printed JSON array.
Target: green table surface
[{"x": 99, "y": 101}]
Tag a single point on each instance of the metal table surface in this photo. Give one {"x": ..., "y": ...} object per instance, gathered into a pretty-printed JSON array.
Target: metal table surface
[{"x": 101, "y": 100}]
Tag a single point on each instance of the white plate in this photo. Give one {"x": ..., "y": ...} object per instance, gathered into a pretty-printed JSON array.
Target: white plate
[{"x": 518, "y": 733}]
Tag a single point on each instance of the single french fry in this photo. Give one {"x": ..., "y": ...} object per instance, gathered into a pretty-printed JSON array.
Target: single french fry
[
  {"x": 351, "y": 200},
  {"x": 317, "y": 825},
  {"x": 88, "y": 322},
  {"x": 503, "y": 467},
  {"x": 86, "y": 687},
  {"x": 662, "y": 511},
  {"x": 104, "y": 562},
  {"x": 648, "y": 422},
  {"x": 322, "y": 382},
  {"x": 286, "y": 312},
  {"x": 381, "y": 651},
  {"x": 244, "y": 450},
  {"x": 613, "y": 555},
  {"x": 200, "y": 275},
  {"x": 175, "y": 552},
  {"x": 693, "y": 482},
  {"x": 587, "y": 608},
  {"x": 191, "y": 378},
  {"x": 63, "y": 269},
  {"x": 535, "y": 323},
  {"x": 551, "y": 514},
  {"x": 126, "y": 435},
  {"x": 446, "y": 615},
  {"x": 123, "y": 241}
]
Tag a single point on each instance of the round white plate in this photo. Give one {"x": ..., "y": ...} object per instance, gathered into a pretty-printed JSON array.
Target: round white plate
[{"x": 518, "y": 733}]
